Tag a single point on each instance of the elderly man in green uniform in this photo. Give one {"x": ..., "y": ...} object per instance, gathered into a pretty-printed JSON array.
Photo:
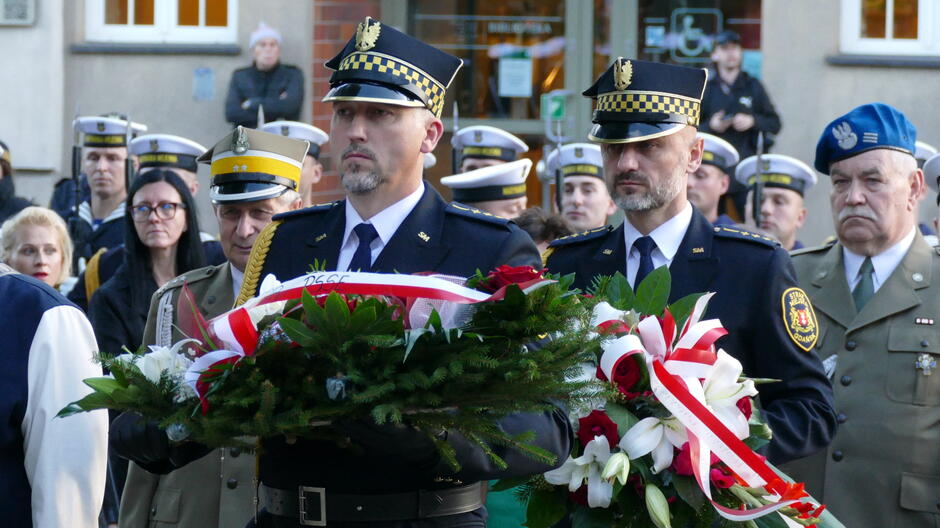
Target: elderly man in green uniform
[
  {"x": 216, "y": 490},
  {"x": 876, "y": 295}
]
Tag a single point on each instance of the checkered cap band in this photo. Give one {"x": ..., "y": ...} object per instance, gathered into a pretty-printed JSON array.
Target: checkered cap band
[
  {"x": 627, "y": 102},
  {"x": 432, "y": 89}
]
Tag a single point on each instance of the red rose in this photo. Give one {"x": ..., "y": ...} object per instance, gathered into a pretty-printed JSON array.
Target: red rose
[
  {"x": 597, "y": 424},
  {"x": 720, "y": 479},
  {"x": 682, "y": 463},
  {"x": 506, "y": 275},
  {"x": 626, "y": 374},
  {"x": 745, "y": 405}
]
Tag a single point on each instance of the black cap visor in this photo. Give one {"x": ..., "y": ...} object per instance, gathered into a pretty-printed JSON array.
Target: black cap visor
[
  {"x": 240, "y": 192},
  {"x": 631, "y": 131},
  {"x": 372, "y": 92}
]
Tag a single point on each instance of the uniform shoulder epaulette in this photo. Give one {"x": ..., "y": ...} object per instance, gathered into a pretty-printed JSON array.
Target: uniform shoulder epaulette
[
  {"x": 583, "y": 236},
  {"x": 190, "y": 277},
  {"x": 304, "y": 211},
  {"x": 813, "y": 249},
  {"x": 739, "y": 233},
  {"x": 477, "y": 214}
]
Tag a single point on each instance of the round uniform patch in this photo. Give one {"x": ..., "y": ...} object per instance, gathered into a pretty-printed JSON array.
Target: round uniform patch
[{"x": 799, "y": 318}]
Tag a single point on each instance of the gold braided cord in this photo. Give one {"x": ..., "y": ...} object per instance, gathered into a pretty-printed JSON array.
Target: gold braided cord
[
  {"x": 259, "y": 252},
  {"x": 545, "y": 254}
]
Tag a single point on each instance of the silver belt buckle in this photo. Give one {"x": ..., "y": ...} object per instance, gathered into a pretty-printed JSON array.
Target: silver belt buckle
[{"x": 302, "y": 501}]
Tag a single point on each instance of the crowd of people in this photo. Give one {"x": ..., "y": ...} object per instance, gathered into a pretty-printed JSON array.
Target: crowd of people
[{"x": 682, "y": 155}]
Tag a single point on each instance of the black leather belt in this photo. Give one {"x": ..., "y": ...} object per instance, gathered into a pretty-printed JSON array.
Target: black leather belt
[{"x": 315, "y": 506}]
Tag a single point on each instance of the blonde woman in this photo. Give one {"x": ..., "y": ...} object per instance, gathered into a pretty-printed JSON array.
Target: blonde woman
[{"x": 35, "y": 242}]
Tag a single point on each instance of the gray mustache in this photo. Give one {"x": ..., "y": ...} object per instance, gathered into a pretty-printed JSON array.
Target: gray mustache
[{"x": 863, "y": 212}]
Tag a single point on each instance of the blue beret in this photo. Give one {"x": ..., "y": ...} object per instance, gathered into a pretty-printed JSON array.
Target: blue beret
[{"x": 866, "y": 127}]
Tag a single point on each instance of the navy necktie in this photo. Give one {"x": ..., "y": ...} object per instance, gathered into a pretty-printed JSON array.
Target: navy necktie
[
  {"x": 645, "y": 246},
  {"x": 362, "y": 258}
]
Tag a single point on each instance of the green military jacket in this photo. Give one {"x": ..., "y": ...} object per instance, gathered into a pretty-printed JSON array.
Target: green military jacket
[
  {"x": 218, "y": 489},
  {"x": 883, "y": 467}
]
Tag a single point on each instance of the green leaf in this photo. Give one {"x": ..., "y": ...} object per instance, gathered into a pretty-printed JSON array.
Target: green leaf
[
  {"x": 91, "y": 402},
  {"x": 619, "y": 293},
  {"x": 545, "y": 508},
  {"x": 653, "y": 293},
  {"x": 298, "y": 332},
  {"x": 621, "y": 416},
  {"x": 104, "y": 385},
  {"x": 773, "y": 520},
  {"x": 592, "y": 518},
  {"x": 682, "y": 309},
  {"x": 411, "y": 337},
  {"x": 337, "y": 311},
  {"x": 316, "y": 315},
  {"x": 688, "y": 490}
]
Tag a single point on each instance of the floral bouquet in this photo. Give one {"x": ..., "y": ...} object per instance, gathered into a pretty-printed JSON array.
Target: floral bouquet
[
  {"x": 671, "y": 442},
  {"x": 432, "y": 351}
]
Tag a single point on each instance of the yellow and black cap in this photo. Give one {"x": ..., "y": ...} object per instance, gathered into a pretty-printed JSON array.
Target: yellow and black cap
[
  {"x": 640, "y": 100},
  {"x": 381, "y": 64},
  {"x": 166, "y": 150},
  {"x": 777, "y": 170},
  {"x": 106, "y": 131},
  {"x": 248, "y": 165},
  {"x": 496, "y": 182}
]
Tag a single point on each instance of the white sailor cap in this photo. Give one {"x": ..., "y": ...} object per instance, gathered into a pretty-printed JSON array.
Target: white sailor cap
[
  {"x": 777, "y": 171},
  {"x": 576, "y": 159},
  {"x": 718, "y": 152},
  {"x": 100, "y": 131},
  {"x": 298, "y": 130},
  {"x": 923, "y": 152},
  {"x": 932, "y": 173},
  {"x": 497, "y": 182},
  {"x": 430, "y": 160},
  {"x": 166, "y": 150},
  {"x": 483, "y": 141}
]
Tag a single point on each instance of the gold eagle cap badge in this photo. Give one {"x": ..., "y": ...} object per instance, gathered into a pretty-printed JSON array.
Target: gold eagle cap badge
[
  {"x": 154, "y": 145},
  {"x": 367, "y": 33},
  {"x": 623, "y": 73},
  {"x": 240, "y": 141}
]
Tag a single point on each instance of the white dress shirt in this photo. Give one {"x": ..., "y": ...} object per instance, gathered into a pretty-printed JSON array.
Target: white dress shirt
[
  {"x": 884, "y": 262},
  {"x": 237, "y": 278},
  {"x": 668, "y": 237},
  {"x": 386, "y": 222}
]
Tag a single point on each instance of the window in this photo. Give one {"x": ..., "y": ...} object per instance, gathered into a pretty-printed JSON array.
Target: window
[
  {"x": 890, "y": 27},
  {"x": 163, "y": 21}
]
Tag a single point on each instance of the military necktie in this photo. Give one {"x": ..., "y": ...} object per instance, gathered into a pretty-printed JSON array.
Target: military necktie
[
  {"x": 865, "y": 289},
  {"x": 362, "y": 258},
  {"x": 645, "y": 245}
]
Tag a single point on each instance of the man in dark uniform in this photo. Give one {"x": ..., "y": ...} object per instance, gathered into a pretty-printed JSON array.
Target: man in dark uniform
[
  {"x": 736, "y": 108},
  {"x": 277, "y": 88},
  {"x": 100, "y": 220},
  {"x": 711, "y": 181},
  {"x": 384, "y": 121},
  {"x": 649, "y": 152}
]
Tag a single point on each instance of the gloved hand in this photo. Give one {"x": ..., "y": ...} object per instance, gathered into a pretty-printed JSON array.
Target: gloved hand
[
  {"x": 399, "y": 440},
  {"x": 143, "y": 441}
]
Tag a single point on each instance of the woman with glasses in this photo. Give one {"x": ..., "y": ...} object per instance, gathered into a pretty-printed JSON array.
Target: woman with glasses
[{"x": 161, "y": 238}]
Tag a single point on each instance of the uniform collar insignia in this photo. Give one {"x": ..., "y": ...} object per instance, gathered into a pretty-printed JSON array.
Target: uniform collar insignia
[
  {"x": 320, "y": 237},
  {"x": 367, "y": 33},
  {"x": 424, "y": 236}
]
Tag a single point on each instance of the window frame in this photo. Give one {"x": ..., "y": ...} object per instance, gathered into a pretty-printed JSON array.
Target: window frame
[
  {"x": 926, "y": 43},
  {"x": 165, "y": 29}
]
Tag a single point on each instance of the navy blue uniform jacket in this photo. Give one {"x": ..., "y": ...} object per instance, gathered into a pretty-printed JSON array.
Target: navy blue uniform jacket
[
  {"x": 435, "y": 236},
  {"x": 749, "y": 274}
]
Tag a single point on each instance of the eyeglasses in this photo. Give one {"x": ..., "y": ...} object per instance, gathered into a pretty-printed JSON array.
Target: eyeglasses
[{"x": 163, "y": 210}]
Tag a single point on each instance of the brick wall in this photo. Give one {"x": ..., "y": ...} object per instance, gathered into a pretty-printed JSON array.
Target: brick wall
[{"x": 334, "y": 22}]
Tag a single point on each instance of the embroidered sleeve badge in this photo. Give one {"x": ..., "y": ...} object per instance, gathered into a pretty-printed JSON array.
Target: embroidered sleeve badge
[{"x": 799, "y": 318}]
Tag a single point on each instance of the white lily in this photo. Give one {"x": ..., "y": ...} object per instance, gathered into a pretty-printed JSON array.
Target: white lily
[
  {"x": 587, "y": 467},
  {"x": 603, "y": 312},
  {"x": 268, "y": 285},
  {"x": 723, "y": 390},
  {"x": 162, "y": 359},
  {"x": 257, "y": 313},
  {"x": 656, "y": 436},
  {"x": 617, "y": 467}
]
